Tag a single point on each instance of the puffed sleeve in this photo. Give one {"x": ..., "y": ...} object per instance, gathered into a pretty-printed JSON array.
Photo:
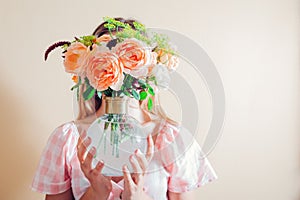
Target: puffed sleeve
[
  {"x": 53, "y": 172},
  {"x": 183, "y": 159}
]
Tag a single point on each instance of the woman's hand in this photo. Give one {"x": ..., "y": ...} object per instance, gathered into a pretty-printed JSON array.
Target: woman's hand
[
  {"x": 100, "y": 185},
  {"x": 133, "y": 184}
]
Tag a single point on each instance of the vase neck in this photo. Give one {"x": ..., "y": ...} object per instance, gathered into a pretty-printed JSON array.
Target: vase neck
[{"x": 115, "y": 105}]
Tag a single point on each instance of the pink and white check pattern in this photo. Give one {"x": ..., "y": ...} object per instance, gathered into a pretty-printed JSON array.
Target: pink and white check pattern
[{"x": 175, "y": 166}]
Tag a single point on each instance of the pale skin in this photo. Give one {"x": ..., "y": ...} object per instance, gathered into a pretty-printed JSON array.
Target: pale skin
[{"x": 100, "y": 185}]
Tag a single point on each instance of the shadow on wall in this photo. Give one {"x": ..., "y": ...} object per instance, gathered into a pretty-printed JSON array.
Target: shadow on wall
[{"x": 18, "y": 156}]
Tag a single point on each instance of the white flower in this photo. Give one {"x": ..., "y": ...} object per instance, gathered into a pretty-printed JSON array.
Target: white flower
[{"x": 162, "y": 75}]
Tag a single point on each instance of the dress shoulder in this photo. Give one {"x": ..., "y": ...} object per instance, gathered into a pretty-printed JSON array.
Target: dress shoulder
[
  {"x": 53, "y": 172},
  {"x": 183, "y": 159}
]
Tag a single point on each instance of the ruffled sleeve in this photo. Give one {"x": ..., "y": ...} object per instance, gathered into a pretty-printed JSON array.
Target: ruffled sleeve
[
  {"x": 53, "y": 172},
  {"x": 183, "y": 159}
]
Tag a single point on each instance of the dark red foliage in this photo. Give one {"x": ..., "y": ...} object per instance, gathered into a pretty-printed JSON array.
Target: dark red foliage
[{"x": 54, "y": 46}]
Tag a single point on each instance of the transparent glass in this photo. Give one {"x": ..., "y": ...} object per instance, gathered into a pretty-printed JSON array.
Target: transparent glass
[{"x": 116, "y": 137}]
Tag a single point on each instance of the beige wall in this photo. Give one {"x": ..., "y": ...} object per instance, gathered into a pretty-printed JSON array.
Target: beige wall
[{"x": 254, "y": 44}]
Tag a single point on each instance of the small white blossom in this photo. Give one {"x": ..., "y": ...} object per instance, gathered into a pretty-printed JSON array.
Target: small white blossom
[{"x": 162, "y": 75}]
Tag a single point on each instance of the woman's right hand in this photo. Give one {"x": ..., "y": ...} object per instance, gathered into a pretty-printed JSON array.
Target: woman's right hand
[{"x": 100, "y": 185}]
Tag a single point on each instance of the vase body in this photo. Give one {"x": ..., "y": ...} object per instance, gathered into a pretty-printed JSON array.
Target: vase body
[{"x": 116, "y": 135}]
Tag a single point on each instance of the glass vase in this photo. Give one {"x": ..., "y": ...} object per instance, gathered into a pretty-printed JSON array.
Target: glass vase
[{"x": 116, "y": 135}]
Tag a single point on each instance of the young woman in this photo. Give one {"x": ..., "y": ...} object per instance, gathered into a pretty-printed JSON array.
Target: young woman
[{"x": 168, "y": 170}]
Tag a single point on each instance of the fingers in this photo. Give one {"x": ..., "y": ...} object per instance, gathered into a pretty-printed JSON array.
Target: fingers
[
  {"x": 81, "y": 138},
  {"x": 79, "y": 142},
  {"x": 86, "y": 165},
  {"x": 82, "y": 148},
  {"x": 98, "y": 168},
  {"x": 135, "y": 165},
  {"x": 128, "y": 182},
  {"x": 85, "y": 158},
  {"x": 83, "y": 133},
  {"x": 139, "y": 164},
  {"x": 137, "y": 170},
  {"x": 141, "y": 160},
  {"x": 150, "y": 148}
]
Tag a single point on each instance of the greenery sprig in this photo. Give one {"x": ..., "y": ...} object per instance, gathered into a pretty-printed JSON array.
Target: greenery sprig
[
  {"x": 162, "y": 43},
  {"x": 126, "y": 30},
  {"x": 88, "y": 40}
]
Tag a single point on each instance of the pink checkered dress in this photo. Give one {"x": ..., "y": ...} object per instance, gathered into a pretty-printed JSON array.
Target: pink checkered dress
[{"x": 177, "y": 166}]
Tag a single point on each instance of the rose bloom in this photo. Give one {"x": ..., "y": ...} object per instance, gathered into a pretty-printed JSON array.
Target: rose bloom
[
  {"x": 105, "y": 70},
  {"x": 104, "y": 38},
  {"x": 134, "y": 54},
  {"x": 168, "y": 60},
  {"x": 75, "y": 58}
]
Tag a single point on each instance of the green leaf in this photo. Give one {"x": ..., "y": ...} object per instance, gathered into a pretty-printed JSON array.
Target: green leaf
[
  {"x": 142, "y": 83},
  {"x": 150, "y": 104},
  {"x": 106, "y": 124},
  {"x": 65, "y": 46},
  {"x": 127, "y": 93},
  {"x": 77, "y": 94},
  {"x": 135, "y": 95},
  {"x": 139, "y": 26},
  {"x": 109, "y": 26},
  {"x": 77, "y": 84},
  {"x": 87, "y": 40},
  {"x": 128, "y": 81},
  {"x": 108, "y": 92},
  {"x": 86, "y": 80},
  {"x": 89, "y": 93},
  {"x": 150, "y": 90},
  {"x": 143, "y": 95}
]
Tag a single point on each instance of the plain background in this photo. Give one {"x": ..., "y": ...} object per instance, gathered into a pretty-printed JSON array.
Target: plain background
[{"x": 253, "y": 43}]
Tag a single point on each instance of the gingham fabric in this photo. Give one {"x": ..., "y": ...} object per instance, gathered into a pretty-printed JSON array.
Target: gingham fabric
[{"x": 178, "y": 165}]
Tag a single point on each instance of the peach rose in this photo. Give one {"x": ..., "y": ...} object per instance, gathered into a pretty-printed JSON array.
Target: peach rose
[
  {"x": 104, "y": 38},
  {"x": 105, "y": 70},
  {"x": 134, "y": 54},
  {"x": 75, "y": 58},
  {"x": 168, "y": 60},
  {"x": 146, "y": 69}
]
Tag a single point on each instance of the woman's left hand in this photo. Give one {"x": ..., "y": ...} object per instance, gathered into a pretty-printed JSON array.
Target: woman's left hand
[{"x": 134, "y": 183}]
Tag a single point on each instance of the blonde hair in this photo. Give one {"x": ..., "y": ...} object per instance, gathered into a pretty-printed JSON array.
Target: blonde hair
[
  {"x": 157, "y": 111},
  {"x": 86, "y": 108}
]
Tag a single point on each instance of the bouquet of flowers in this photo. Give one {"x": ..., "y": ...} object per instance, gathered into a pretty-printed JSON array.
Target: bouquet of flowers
[{"x": 124, "y": 62}]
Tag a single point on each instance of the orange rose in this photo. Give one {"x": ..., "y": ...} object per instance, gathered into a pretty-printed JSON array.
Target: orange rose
[
  {"x": 103, "y": 38},
  {"x": 134, "y": 54},
  {"x": 75, "y": 58},
  {"x": 75, "y": 79},
  {"x": 105, "y": 70},
  {"x": 168, "y": 60}
]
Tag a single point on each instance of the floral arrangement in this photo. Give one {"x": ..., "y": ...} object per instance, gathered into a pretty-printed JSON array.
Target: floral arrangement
[{"x": 124, "y": 62}]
